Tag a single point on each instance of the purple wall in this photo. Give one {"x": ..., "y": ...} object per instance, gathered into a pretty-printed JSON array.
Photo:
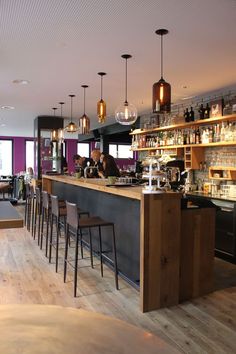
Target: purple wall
[
  {"x": 71, "y": 150},
  {"x": 18, "y": 152}
]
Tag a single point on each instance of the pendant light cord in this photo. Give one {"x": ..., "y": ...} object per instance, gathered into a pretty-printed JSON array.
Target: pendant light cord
[
  {"x": 71, "y": 109},
  {"x": 84, "y": 100},
  {"x": 161, "y": 56},
  {"x": 101, "y": 87},
  {"x": 126, "y": 81}
]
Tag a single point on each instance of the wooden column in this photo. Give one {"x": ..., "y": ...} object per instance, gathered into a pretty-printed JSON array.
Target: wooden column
[
  {"x": 159, "y": 250},
  {"x": 197, "y": 252}
]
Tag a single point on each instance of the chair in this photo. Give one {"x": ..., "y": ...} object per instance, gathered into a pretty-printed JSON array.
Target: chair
[
  {"x": 37, "y": 213},
  {"x": 58, "y": 213},
  {"x": 78, "y": 225},
  {"x": 46, "y": 217}
]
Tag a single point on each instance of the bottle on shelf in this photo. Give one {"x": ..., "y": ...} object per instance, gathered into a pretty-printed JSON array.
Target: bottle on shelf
[
  {"x": 186, "y": 115},
  {"x": 197, "y": 136},
  {"x": 207, "y": 111},
  {"x": 191, "y": 114},
  {"x": 201, "y": 112}
]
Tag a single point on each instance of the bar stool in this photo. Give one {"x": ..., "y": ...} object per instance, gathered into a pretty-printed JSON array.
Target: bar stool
[
  {"x": 78, "y": 225},
  {"x": 29, "y": 206},
  {"x": 59, "y": 212},
  {"x": 46, "y": 217},
  {"x": 37, "y": 213}
]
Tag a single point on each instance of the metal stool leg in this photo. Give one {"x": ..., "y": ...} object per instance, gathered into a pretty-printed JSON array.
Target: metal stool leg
[
  {"x": 100, "y": 246},
  {"x": 115, "y": 258}
]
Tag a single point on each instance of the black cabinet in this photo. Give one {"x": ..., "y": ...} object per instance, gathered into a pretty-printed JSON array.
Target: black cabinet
[{"x": 225, "y": 241}]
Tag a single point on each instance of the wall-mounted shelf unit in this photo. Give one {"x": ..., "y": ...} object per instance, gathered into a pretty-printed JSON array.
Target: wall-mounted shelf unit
[{"x": 222, "y": 173}]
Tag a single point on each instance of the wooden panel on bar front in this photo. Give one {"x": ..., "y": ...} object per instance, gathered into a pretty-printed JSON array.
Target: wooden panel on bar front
[
  {"x": 47, "y": 185},
  {"x": 197, "y": 252},
  {"x": 159, "y": 250}
]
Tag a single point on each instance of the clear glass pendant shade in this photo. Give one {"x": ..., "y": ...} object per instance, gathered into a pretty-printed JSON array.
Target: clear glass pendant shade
[
  {"x": 126, "y": 114},
  {"x": 84, "y": 124}
]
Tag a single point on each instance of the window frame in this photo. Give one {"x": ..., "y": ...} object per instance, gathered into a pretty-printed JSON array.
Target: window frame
[
  {"x": 12, "y": 154},
  {"x": 117, "y": 151},
  {"x": 25, "y": 152}
]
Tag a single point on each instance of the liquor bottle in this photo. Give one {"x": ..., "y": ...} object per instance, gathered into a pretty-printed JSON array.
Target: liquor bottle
[
  {"x": 207, "y": 111},
  {"x": 197, "y": 136},
  {"x": 201, "y": 112},
  {"x": 191, "y": 114},
  {"x": 186, "y": 115}
]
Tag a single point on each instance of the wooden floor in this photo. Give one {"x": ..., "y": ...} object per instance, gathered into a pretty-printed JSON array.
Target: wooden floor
[{"x": 205, "y": 325}]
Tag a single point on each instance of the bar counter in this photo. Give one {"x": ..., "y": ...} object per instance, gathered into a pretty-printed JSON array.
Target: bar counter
[{"x": 147, "y": 232}]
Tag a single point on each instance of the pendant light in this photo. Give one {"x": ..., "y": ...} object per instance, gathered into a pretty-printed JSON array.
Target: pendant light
[
  {"x": 84, "y": 121},
  {"x": 101, "y": 105},
  {"x": 61, "y": 131},
  {"x": 54, "y": 132},
  {"x": 161, "y": 91},
  {"x": 71, "y": 127},
  {"x": 126, "y": 113}
]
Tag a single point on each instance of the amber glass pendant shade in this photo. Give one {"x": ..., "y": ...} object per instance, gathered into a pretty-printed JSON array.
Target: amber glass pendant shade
[
  {"x": 54, "y": 132},
  {"x": 101, "y": 105},
  {"x": 61, "y": 130},
  {"x": 126, "y": 113},
  {"x": 84, "y": 121},
  {"x": 71, "y": 127},
  {"x": 161, "y": 96},
  {"x": 161, "y": 91}
]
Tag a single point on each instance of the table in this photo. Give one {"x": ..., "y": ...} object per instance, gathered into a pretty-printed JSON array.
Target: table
[
  {"x": 9, "y": 217},
  {"x": 36, "y": 329}
]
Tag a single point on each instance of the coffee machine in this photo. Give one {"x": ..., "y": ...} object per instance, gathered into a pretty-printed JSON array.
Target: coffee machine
[{"x": 176, "y": 174}]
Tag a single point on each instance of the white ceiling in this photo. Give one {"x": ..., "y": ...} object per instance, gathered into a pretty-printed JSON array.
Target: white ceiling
[{"x": 58, "y": 45}]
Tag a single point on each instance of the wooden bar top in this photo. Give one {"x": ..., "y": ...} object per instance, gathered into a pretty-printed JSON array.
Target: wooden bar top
[
  {"x": 9, "y": 217},
  {"x": 98, "y": 184}
]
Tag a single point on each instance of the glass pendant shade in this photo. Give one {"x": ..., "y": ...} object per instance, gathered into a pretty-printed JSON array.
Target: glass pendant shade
[
  {"x": 54, "y": 132},
  {"x": 161, "y": 91},
  {"x": 161, "y": 96},
  {"x": 101, "y": 111},
  {"x": 126, "y": 113},
  {"x": 54, "y": 135},
  {"x": 61, "y": 130},
  {"x": 101, "y": 105},
  {"x": 71, "y": 127},
  {"x": 84, "y": 121},
  {"x": 84, "y": 124}
]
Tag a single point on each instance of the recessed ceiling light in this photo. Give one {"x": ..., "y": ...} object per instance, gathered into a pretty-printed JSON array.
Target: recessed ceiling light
[
  {"x": 3, "y": 125},
  {"x": 7, "y": 107},
  {"x": 187, "y": 98},
  {"x": 184, "y": 86},
  {"x": 21, "y": 82}
]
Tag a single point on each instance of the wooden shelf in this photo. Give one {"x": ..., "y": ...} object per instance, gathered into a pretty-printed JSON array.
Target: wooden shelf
[
  {"x": 184, "y": 125},
  {"x": 222, "y": 143},
  {"x": 223, "y": 173}
]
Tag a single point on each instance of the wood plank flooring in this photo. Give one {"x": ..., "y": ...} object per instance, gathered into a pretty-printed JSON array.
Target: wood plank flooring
[{"x": 204, "y": 325}]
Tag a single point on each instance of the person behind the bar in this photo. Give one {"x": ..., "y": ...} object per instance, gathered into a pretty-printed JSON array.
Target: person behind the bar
[
  {"x": 81, "y": 162},
  {"x": 109, "y": 167},
  {"x": 95, "y": 156}
]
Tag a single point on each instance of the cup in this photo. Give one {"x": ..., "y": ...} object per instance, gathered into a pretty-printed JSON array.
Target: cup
[
  {"x": 111, "y": 179},
  {"x": 77, "y": 174}
]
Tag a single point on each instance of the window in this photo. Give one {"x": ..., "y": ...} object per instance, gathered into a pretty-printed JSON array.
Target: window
[
  {"x": 6, "y": 157},
  {"x": 83, "y": 149},
  {"x": 29, "y": 154},
  {"x": 120, "y": 151}
]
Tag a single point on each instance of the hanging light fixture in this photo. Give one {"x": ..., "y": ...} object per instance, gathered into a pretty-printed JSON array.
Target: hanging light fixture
[
  {"x": 126, "y": 113},
  {"x": 101, "y": 105},
  {"x": 54, "y": 132},
  {"x": 61, "y": 131},
  {"x": 71, "y": 127},
  {"x": 161, "y": 91},
  {"x": 84, "y": 121}
]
